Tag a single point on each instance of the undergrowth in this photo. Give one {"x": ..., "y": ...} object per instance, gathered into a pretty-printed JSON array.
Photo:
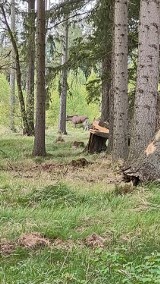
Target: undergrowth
[{"x": 71, "y": 211}]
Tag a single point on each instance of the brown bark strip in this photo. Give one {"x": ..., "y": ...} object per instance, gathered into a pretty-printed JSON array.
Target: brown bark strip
[{"x": 18, "y": 73}]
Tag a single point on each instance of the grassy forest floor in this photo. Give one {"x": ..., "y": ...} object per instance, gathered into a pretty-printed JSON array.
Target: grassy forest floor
[{"x": 64, "y": 223}]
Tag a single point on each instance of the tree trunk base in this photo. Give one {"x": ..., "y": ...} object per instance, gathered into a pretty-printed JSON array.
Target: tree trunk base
[
  {"x": 147, "y": 167},
  {"x": 96, "y": 144}
]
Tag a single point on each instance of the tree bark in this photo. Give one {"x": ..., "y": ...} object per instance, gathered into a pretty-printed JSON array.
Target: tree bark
[
  {"x": 63, "y": 95},
  {"x": 12, "y": 72},
  {"x": 96, "y": 144},
  {"x": 120, "y": 81},
  {"x": 147, "y": 166},
  {"x": 31, "y": 65},
  {"x": 144, "y": 121},
  {"x": 18, "y": 75},
  {"x": 106, "y": 85},
  {"x": 39, "y": 141}
]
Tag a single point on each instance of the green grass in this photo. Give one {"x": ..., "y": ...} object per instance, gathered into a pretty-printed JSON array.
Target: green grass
[{"x": 48, "y": 196}]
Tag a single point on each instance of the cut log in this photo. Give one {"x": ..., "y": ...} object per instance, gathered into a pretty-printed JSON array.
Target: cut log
[
  {"x": 147, "y": 167},
  {"x": 97, "y": 139}
]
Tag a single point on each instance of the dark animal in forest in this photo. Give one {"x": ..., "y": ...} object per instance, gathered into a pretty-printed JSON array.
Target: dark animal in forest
[{"x": 77, "y": 119}]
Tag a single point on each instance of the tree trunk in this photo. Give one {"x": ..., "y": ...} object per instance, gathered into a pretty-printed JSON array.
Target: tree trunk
[
  {"x": 144, "y": 121},
  {"x": 63, "y": 95},
  {"x": 120, "y": 81},
  {"x": 31, "y": 65},
  {"x": 98, "y": 137},
  {"x": 106, "y": 85},
  {"x": 96, "y": 144},
  {"x": 39, "y": 141},
  {"x": 147, "y": 166},
  {"x": 18, "y": 75},
  {"x": 111, "y": 96},
  {"x": 12, "y": 72}
]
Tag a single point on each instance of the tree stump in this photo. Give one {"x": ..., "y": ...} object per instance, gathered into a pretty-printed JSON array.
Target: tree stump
[
  {"x": 97, "y": 139},
  {"x": 147, "y": 167}
]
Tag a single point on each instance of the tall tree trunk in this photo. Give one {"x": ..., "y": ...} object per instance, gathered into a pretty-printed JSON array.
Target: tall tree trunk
[
  {"x": 63, "y": 95},
  {"x": 144, "y": 121},
  {"x": 12, "y": 72},
  {"x": 111, "y": 94},
  {"x": 120, "y": 81},
  {"x": 106, "y": 85},
  {"x": 31, "y": 65},
  {"x": 39, "y": 141},
  {"x": 18, "y": 74}
]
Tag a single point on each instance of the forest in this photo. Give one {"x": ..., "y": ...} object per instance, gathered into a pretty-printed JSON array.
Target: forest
[{"x": 80, "y": 141}]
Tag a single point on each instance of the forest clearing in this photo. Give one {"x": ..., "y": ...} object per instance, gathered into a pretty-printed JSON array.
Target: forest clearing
[
  {"x": 62, "y": 223},
  {"x": 79, "y": 141}
]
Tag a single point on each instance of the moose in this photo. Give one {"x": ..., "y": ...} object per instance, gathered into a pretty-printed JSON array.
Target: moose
[{"x": 78, "y": 119}]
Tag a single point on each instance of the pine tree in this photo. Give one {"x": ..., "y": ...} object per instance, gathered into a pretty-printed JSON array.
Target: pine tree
[
  {"x": 144, "y": 122},
  {"x": 39, "y": 141},
  {"x": 120, "y": 81}
]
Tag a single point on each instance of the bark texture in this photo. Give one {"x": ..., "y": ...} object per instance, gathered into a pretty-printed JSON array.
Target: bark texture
[
  {"x": 96, "y": 144},
  {"x": 12, "y": 72},
  {"x": 144, "y": 121},
  {"x": 63, "y": 95},
  {"x": 147, "y": 166},
  {"x": 39, "y": 141},
  {"x": 18, "y": 75},
  {"x": 120, "y": 81},
  {"x": 106, "y": 85},
  {"x": 31, "y": 65}
]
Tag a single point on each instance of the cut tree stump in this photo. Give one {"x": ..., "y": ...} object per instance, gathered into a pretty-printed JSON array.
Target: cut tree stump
[
  {"x": 147, "y": 167},
  {"x": 97, "y": 139}
]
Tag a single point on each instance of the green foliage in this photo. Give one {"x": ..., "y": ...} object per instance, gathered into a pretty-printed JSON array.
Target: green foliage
[
  {"x": 116, "y": 266},
  {"x": 58, "y": 195},
  {"x": 76, "y": 99},
  {"x": 4, "y": 100},
  {"x": 93, "y": 87}
]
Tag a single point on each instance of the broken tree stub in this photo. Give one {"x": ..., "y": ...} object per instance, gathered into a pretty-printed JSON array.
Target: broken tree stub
[
  {"x": 147, "y": 166},
  {"x": 97, "y": 139}
]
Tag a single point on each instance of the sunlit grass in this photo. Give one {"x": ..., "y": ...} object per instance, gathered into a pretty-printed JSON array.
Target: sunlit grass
[{"x": 49, "y": 196}]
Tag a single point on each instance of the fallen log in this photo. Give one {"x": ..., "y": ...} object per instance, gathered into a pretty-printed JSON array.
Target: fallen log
[{"x": 147, "y": 166}]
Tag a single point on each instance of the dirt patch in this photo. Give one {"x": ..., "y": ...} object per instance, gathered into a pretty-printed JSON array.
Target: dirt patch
[
  {"x": 6, "y": 247},
  {"x": 59, "y": 139},
  {"x": 82, "y": 162},
  {"x": 33, "y": 240},
  {"x": 78, "y": 144},
  {"x": 95, "y": 241}
]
